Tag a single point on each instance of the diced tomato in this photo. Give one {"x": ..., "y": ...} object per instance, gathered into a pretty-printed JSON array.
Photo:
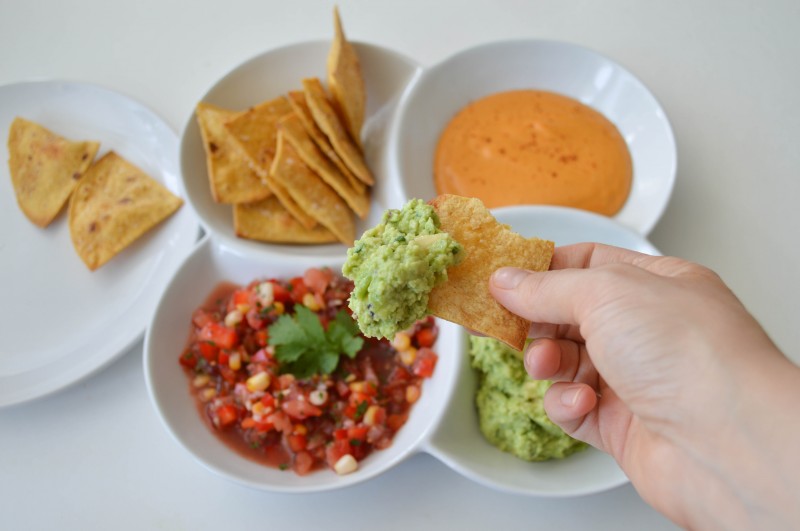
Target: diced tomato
[
  {"x": 240, "y": 297},
  {"x": 248, "y": 423},
  {"x": 228, "y": 374},
  {"x": 201, "y": 317},
  {"x": 296, "y": 442},
  {"x": 336, "y": 450},
  {"x": 280, "y": 293},
  {"x": 340, "y": 434},
  {"x": 208, "y": 350},
  {"x": 255, "y": 319},
  {"x": 426, "y": 337},
  {"x": 317, "y": 279},
  {"x": 188, "y": 360},
  {"x": 300, "y": 409},
  {"x": 303, "y": 462},
  {"x": 268, "y": 400},
  {"x": 395, "y": 421},
  {"x": 399, "y": 374},
  {"x": 358, "y": 433},
  {"x": 425, "y": 363},
  {"x": 223, "y": 357},
  {"x": 264, "y": 427},
  {"x": 220, "y": 335},
  {"x": 226, "y": 415},
  {"x": 262, "y": 336},
  {"x": 299, "y": 289}
]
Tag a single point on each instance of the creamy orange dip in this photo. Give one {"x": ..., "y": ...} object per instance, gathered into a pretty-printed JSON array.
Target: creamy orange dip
[{"x": 534, "y": 147}]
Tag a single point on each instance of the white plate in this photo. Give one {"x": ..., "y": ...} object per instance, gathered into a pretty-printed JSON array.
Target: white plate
[
  {"x": 271, "y": 74},
  {"x": 62, "y": 322},
  {"x": 458, "y": 441},
  {"x": 443, "y": 89}
]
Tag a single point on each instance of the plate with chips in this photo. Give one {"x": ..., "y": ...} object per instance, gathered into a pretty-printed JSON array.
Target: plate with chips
[
  {"x": 286, "y": 153},
  {"x": 92, "y": 226}
]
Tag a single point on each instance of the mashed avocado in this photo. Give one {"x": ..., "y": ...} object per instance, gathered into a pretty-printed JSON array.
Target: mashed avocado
[
  {"x": 510, "y": 406},
  {"x": 394, "y": 267}
]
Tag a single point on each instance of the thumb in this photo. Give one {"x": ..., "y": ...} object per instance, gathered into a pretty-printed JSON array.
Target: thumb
[{"x": 546, "y": 297}]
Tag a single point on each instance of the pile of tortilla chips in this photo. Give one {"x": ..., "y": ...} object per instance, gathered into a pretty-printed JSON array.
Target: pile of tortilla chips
[
  {"x": 293, "y": 166},
  {"x": 111, "y": 202}
]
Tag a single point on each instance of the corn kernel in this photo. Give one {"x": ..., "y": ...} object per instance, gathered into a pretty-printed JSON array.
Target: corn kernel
[
  {"x": 408, "y": 356},
  {"x": 258, "y": 382},
  {"x": 235, "y": 361},
  {"x": 300, "y": 429},
  {"x": 243, "y": 307},
  {"x": 345, "y": 465},
  {"x": 358, "y": 387},
  {"x": 278, "y": 307},
  {"x": 233, "y": 318},
  {"x": 311, "y": 302},
  {"x": 208, "y": 394},
  {"x": 412, "y": 394},
  {"x": 371, "y": 415},
  {"x": 401, "y": 341},
  {"x": 201, "y": 380},
  {"x": 258, "y": 408}
]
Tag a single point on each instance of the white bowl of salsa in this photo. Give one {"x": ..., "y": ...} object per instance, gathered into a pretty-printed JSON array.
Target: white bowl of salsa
[
  {"x": 217, "y": 429},
  {"x": 536, "y": 122}
]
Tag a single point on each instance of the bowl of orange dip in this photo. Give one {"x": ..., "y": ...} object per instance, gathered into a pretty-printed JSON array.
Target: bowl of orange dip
[{"x": 536, "y": 122}]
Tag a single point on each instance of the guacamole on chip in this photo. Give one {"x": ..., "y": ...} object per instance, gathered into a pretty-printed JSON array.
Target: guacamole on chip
[
  {"x": 394, "y": 267},
  {"x": 510, "y": 405}
]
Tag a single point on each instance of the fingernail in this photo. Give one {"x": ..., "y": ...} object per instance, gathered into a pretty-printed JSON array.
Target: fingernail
[
  {"x": 527, "y": 359},
  {"x": 569, "y": 397},
  {"x": 508, "y": 277}
]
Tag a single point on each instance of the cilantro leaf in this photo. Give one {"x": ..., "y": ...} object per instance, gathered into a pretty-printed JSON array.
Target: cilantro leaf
[{"x": 303, "y": 347}]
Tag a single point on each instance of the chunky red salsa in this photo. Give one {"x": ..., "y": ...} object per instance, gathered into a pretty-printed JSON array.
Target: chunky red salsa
[{"x": 304, "y": 423}]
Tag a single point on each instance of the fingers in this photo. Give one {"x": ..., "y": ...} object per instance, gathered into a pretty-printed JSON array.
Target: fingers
[
  {"x": 567, "y": 404},
  {"x": 588, "y": 255}
]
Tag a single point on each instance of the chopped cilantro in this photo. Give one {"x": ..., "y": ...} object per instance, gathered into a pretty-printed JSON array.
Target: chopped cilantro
[
  {"x": 361, "y": 409},
  {"x": 303, "y": 347},
  {"x": 355, "y": 442},
  {"x": 284, "y": 466}
]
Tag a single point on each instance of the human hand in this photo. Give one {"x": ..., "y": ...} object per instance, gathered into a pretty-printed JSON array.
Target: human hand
[{"x": 657, "y": 363}]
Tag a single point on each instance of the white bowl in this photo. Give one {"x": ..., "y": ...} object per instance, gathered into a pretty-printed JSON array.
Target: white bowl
[
  {"x": 443, "y": 423},
  {"x": 443, "y": 89},
  {"x": 167, "y": 383},
  {"x": 271, "y": 74}
]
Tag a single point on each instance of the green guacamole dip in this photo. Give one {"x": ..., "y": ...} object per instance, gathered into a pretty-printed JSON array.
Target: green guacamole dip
[
  {"x": 394, "y": 267},
  {"x": 510, "y": 406}
]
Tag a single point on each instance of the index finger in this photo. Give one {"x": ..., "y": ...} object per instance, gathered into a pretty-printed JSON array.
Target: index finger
[{"x": 587, "y": 255}]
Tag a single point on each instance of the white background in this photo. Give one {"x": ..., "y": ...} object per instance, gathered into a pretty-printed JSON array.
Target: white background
[{"x": 96, "y": 457}]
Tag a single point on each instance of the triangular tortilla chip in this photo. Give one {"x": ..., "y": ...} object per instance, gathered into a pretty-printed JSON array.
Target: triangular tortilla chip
[
  {"x": 297, "y": 99},
  {"x": 255, "y": 131},
  {"x": 345, "y": 81},
  {"x": 269, "y": 221},
  {"x": 488, "y": 245},
  {"x": 45, "y": 168},
  {"x": 314, "y": 196},
  {"x": 290, "y": 204},
  {"x": 229, "y": 174},
  {"x": 327, "y": 120},
  {"x": 293, "y": 131},
  {"x": 113, "y": 205}
]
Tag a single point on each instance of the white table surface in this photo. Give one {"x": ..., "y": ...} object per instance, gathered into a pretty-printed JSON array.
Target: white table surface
[{"x": 95, "y": 455}]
